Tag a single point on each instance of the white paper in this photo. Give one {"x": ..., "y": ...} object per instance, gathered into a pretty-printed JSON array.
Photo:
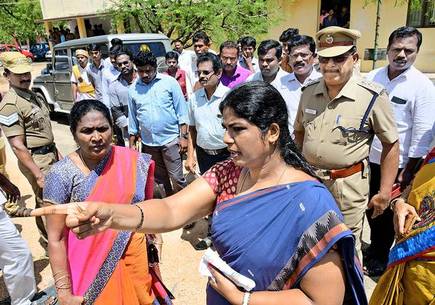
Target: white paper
[{"x": 212, "y": 258}]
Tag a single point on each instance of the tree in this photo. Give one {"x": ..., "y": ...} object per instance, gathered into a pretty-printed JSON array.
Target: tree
[
  {"x": 180, "y": 19},
  {"x": 17, "y": 20}
]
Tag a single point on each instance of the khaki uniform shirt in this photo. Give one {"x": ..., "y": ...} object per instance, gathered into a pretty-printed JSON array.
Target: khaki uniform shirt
[
  {"x": 326, "y": 144},
  {"x": 21, "y": 114}
]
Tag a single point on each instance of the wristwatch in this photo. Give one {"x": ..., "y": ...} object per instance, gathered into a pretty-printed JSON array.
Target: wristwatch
[{"x": 185, "y": 135}]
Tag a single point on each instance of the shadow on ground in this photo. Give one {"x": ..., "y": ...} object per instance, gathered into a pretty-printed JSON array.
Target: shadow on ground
[{"x": 196, "y": 233}]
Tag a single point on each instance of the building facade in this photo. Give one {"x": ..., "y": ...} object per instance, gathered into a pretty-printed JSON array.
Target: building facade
[{"x": 305, "y": 15}]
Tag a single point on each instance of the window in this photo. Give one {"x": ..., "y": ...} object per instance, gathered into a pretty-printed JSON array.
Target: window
[
  {"x": 422, "y": 16},
  {"x": 61, "y": 63},
  {"x": 157, "y": 48}
]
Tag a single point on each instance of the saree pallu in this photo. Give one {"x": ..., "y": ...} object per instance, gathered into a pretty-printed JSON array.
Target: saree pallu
[
  {"x": 275, "y": 235},
  {"x": 410, "y": 275},
  {"x": 110, "y": 267}
]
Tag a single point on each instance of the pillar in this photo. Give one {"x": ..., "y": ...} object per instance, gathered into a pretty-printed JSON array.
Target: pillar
[
  {"x": 48, "y": 25},
  {"x": 82, "y": 27},
  {"x": 120, "y": 29}
]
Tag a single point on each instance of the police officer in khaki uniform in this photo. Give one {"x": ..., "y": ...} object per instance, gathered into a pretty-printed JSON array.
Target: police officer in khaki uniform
[
  {"x": 337, "y": 118},
  {"x": 26, "y": 124}
]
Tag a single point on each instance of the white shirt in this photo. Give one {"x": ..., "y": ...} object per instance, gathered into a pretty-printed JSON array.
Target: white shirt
[
  {"x": 412, "y": 97},
  {"x": 84, "y": 75},
  {"x": 204, "y": 115},
  {"x": 290, "y": 88}
]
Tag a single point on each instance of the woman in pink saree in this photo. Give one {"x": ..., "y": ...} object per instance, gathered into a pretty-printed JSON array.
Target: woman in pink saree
[{"x": 111, "y": 267}]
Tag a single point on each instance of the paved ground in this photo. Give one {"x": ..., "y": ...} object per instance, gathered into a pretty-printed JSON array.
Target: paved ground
[{"x": 180, "y": 260}]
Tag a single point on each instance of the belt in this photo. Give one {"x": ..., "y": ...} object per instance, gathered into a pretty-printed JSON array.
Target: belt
[
  {"x": 333, "y": 174},
  {"x": 214, "y": 152},
  {"x": 42, "y": 150}
]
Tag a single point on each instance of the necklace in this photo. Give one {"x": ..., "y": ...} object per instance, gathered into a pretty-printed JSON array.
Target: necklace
[
  {"x": 82, "y": 159},
  {"x": 240, "y": 189}
]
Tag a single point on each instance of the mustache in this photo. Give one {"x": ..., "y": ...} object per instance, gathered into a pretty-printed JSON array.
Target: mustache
[
  {"x": 25, "y": 81},
  {"x": 300, "y": 64}
]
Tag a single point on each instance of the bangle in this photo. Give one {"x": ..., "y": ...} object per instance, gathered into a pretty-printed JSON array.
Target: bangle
[
  {"x": 393, "y": 203},
  {"x": 246, "y": 298},
  {"x": 139, "y": 226}
]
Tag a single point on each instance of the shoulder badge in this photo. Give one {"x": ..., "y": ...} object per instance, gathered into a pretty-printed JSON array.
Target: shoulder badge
[
  {"x": 369, "y": 85},
  {"x": 9, "y": 120},
  {"x": 316, "y": 81}
]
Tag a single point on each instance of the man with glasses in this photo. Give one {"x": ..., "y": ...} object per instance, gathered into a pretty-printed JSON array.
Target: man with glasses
[
  {"x": 118, "y": 92},
  {"x": 205, "y": 123},
  {"x": 337, "y": 118},
  {"x": 232, "y": 73},
  {"x": 301, "y": 57},
  {"x": 412, "y": 97}
]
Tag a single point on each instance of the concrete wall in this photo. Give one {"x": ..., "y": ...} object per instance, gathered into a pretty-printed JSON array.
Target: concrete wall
[{"x": 303, "y": 14}]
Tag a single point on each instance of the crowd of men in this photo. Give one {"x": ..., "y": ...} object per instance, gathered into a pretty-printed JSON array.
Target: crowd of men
[{"x": 364, "y": 134}]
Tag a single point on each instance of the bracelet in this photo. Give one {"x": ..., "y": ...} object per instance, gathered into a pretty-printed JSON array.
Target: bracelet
[
  {"x": 393, "y": 203},
  {"x": 139, "y": 226},
  {"x": 246, "y": 298}
]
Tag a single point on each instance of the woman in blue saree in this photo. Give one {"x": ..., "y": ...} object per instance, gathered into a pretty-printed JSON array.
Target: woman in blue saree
[{"x": 273, "y": 222}]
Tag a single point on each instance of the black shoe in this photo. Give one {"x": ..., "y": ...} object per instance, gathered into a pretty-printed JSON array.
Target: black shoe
[
  {"x": 203, "y": 244},
  {"x": 375, "y": 267}
]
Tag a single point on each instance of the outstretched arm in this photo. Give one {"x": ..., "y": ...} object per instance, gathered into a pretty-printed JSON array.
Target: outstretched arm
[{"x": 159, "y": 215}]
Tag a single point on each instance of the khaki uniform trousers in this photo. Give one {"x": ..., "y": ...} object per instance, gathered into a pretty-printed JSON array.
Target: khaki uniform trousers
[
  {"x": 351, "y": 194},
  {"x": 44, "y": 162}
]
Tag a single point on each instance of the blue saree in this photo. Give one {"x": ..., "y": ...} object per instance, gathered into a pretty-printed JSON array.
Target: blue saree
[{"x": 275, "y": 235}]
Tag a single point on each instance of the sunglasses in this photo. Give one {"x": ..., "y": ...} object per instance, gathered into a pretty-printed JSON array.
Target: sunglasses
[
  {"x": 204, "y": 72},
  {"x": 337, "y": 59}
]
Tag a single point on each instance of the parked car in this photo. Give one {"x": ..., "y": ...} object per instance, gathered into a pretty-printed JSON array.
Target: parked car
[
  {"x": 39, "y": 50},
  {"x": 53, "y": 86},
  {"x": 48, "y": 55},
  {"x": 12, "y": 48}
]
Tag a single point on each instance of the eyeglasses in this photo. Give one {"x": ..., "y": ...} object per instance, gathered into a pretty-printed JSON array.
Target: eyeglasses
[
  {"x": 124, "y": 63},
  {"x": 337, "y": 59},
  {"x": 204, "y": 72},
  {"x": 304, "y": 56}
]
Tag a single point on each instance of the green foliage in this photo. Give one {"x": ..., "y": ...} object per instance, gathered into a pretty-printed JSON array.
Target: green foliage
[
  {"x": 17, "y": 19},
  {"x": 180, "y": 19}
]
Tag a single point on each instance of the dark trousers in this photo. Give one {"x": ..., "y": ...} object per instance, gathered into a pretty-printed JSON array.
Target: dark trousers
[
  {"x": 206, "y": 161},
  {"x": 382, "y": 227},
  {"x": 169, "y": 166}
]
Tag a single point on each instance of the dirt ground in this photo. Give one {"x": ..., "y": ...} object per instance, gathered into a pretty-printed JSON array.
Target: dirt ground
[{"x": 180, "y": 261}]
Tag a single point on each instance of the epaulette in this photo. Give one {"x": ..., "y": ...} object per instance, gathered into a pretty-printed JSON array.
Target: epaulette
[
  {"x": 316, "y": 81},
  {"x": 9, "y": 98},
  {"x": 369, "y": 85}
]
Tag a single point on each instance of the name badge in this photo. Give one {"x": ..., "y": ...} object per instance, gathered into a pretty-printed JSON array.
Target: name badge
[
  {"x": 310, "y": 111},
  {"x": 397, "y": 100}
]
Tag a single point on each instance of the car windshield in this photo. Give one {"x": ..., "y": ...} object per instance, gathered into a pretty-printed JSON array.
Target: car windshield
[{"x": 157, "y": 48}]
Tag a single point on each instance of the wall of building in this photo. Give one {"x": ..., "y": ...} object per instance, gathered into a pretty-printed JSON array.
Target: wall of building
[
  {"x": 67, "y": 8},
  {"x": 303, "y": 14}
]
